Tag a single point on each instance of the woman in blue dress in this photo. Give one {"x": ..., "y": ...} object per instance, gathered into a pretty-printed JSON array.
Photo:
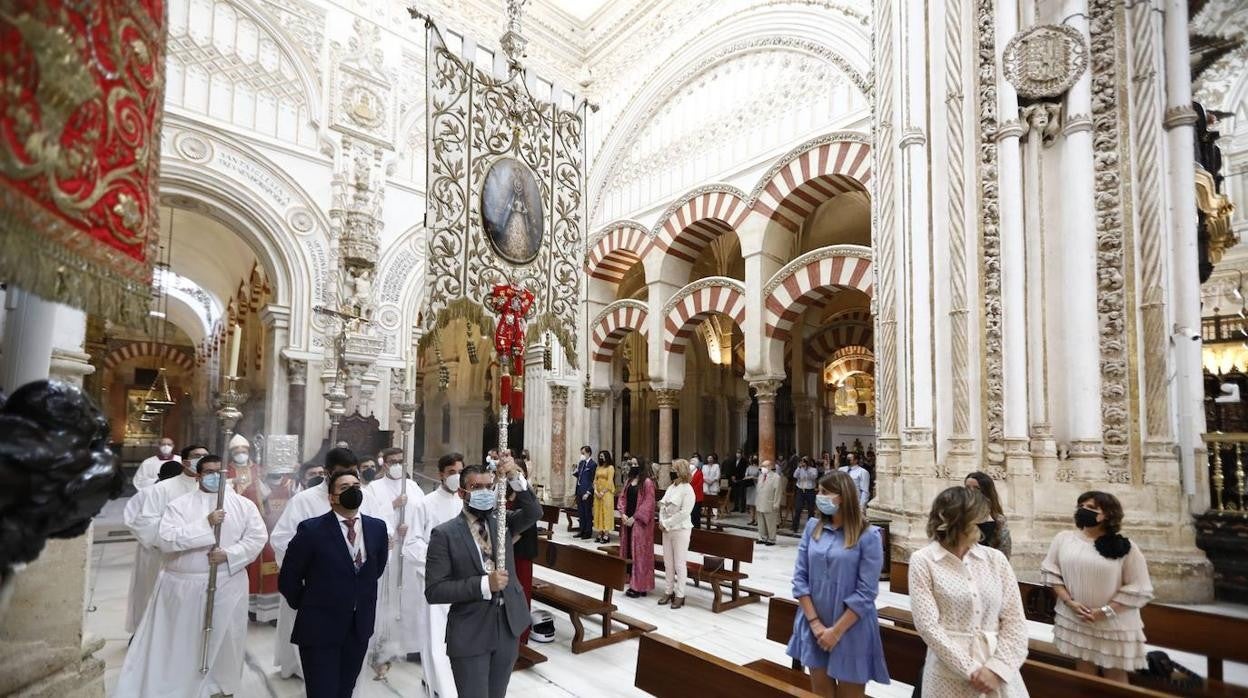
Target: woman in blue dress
[{"x": 836, "y": 579}]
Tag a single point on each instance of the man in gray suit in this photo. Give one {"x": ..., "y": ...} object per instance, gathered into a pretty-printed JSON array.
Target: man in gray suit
[{"x": 488, "y": 609}]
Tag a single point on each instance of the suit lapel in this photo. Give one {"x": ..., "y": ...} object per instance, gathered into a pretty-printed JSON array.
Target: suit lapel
[
  {"x": 338, "y": 540},
  {"x": 466, "y": 535}
]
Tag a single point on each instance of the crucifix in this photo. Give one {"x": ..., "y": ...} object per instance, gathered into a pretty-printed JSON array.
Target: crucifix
[{"x": 335, "y": 395}]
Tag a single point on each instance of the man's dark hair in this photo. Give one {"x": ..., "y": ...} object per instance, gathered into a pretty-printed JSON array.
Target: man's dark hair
[
  {"x": 169, "y": 469},
  {"x": 587, "y": 449},
  {"x": 449, "y": 460},
  {"x": 210, "y": 458},
  {"x": 392, "y": 451},
  {"x": 341, "y": 474},
  {"x": 186, "y": 452},
  {"x": 473, "y": 469},
  {"x": 339, "y": 458},
  {"x": 303, "y": 469}
]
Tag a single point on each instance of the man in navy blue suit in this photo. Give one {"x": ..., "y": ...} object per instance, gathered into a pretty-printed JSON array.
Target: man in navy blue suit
[
  {"x": 329, "y": 576},
  {"x": 584, "y": 487}
]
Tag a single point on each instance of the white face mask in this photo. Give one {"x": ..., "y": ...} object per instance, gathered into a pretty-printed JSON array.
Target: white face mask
[
  {"x": 240, "y": 458},
  {"x": 396, "y": 471},
  {"x": 195, "y": 462},
  {"x": 166, "y": 450},
  {"x": 451, "y": 483}
]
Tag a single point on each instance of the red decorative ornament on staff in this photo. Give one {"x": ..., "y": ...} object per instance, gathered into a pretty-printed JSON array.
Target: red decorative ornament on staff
[{"x": 512, "y": 305}]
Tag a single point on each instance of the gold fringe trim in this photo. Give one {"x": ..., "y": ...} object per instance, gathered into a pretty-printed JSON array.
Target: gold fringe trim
[
  {"x": 37, "y": 259},
  {"x": 549, "y": 322},
  {"x": 458, "y": 309}
]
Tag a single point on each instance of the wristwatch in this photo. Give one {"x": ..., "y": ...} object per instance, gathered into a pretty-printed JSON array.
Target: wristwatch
[{"x": 1108, "y": 611}]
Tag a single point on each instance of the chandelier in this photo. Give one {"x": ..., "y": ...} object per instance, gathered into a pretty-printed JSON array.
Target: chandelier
[{"x": 157, "y": 400}]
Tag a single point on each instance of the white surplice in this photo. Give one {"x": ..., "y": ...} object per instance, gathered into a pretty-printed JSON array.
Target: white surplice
[
  {"x": 142, "y": 517},
  {"x": 148, "y": 473},
  {"x": 437, "y": 507},
  {"x": 400, "y": 616},
  {"x": 307, "y": 504},
  {"x": 146, "y": 565},
  {"x": 164, "y": 658}
]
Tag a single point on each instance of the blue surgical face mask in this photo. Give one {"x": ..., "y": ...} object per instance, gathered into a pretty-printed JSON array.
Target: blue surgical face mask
[
  {"x": 482, "y": 500},
  {"x": 211, "y": 481},
  {"x": 826, "y": 506}
]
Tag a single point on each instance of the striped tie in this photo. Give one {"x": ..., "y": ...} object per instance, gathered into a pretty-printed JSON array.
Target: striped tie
[{"x": 359, "y": 559}]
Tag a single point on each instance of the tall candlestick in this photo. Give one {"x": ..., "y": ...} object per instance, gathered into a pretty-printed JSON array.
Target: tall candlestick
[
  {"x": 236, "y": 341},
  {"x": 409, "y": 377}
]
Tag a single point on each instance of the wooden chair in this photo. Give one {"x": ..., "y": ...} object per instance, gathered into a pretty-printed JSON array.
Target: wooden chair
[
  {"x": 550, "y": 517},
  {"x": 610, "y": 572},
  {"x": 670, "y": 669}
]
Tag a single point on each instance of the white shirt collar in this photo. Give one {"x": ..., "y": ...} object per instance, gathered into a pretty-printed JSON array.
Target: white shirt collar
[{"x": 976, "y": 551}]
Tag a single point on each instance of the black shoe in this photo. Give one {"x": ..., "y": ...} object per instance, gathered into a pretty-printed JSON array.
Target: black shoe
[
  {"x": 631, "y": 594},
  {"x": 413, "y": 657}
]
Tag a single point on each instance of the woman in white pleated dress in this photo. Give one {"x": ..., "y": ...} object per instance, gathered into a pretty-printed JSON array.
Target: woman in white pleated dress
[
  {"x": 966, "y": 605},
  {"x": 1101, "y": 581}
]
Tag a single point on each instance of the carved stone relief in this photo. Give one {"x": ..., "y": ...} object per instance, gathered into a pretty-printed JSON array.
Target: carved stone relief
[
  {"x": 990, "y": 230},
  {"x": 1045, "y": 61}
]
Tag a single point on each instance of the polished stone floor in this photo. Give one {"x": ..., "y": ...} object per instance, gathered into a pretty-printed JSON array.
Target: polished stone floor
[{"x": 736, "y": 635}]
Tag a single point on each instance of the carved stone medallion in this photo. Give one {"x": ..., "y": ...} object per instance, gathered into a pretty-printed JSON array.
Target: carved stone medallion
[
  {"x": 1045, "y": 61},
  {"x": 363, "y": 106}
]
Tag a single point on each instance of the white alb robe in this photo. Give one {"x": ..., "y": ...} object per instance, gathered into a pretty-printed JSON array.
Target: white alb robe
[
  {"x": 307, "y": 504},
  {"x": 164, "y": 658},
  {"x": 399, "y": 614},
  {"x": 436, "y": 508},
  {"x": 148, "y": 473},
  {"x": 146, "y": 565}
]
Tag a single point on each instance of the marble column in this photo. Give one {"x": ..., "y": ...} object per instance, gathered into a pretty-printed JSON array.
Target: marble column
[
  {"x": 296, "y": 395},
  {"x": 594, "y": 400},
  {"x": 741, "y": 409},
  {"x": 765, "y": 391},
  {"x": 557, "y": 484},
  {"x": 29, "y": 322},
  {"x": 276, "y": 320},
  {"x": 667, "y": 398}
]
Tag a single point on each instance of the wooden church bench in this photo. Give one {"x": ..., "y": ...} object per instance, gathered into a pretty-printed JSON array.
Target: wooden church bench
[
  {"x": 608, "y": 571},
  {"x": 670, "y": 669}
]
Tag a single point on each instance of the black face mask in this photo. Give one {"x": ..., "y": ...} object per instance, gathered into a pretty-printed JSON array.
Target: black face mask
[
  {"x": 351, "y": 499},
  {"x": 369, "y": 474},
  {"x": 1085, "y": 518},
  {"x": 672, "y": 476},
  {"x": 316, "y": 480},
  {"x": 634, "y": 471},
  {"x": 988, "y": 530}
]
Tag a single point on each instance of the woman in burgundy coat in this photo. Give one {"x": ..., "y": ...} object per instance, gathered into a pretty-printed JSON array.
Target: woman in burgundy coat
[{"x": 636, "y": 504}]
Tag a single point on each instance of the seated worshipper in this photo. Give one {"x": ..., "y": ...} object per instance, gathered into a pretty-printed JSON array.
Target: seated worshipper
[
  {"x": 310, "y": 503},
  {"x": 147, "y": 556},
  {"x": 966, "y": 605},
  {"x": 488, "y": 611},
  {"x": 398, "y": 611},
  {"x": 145, "y": 476},
  {"x": 164, "y": 659},
  {"x": 329, "y": 576},
  {"x": 835, "y": 580},
  {"x": 438, "y": 507}
]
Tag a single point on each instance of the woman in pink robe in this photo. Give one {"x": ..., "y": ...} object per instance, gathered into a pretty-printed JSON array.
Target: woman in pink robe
[{"x": 636, "y": 504}]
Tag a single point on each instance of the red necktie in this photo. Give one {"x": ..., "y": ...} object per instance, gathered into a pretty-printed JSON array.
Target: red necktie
[{"x": 359, "y": 560}]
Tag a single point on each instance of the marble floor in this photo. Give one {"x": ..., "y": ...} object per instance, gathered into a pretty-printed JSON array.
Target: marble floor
[{"x": 736, "y": 635}]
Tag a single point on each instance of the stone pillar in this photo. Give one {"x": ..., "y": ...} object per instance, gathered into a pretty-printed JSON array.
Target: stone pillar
[
  {"x": 594, "y": 400},
  {"x": 741, "y": 410},
  {"x": 466, "y": 429},
  {"x": 804, "y": 439},
  {"x": 667, "y": 398},
  {"x": 296, "y": 395},
  {"x": 29, "y": 322},
  {"x": 276, "y": 320},
  {"x": 765, "y": 391},
  {"x": 557, "y": 484}
]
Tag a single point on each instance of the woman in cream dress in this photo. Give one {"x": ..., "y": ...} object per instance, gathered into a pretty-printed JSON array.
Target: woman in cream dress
[
  {"x": 966, "y": 605},
  {"x": 1101, "y": 581}
]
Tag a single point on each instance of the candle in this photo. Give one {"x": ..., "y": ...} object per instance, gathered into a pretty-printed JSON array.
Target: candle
[{"x": 236, "y": 341}]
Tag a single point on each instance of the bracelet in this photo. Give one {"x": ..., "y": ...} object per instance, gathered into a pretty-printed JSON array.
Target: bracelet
[{"x": 1108, "y": 611}]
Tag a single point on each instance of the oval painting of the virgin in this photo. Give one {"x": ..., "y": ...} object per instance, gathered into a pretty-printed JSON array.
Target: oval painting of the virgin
[{"x": 511, "y": 211}]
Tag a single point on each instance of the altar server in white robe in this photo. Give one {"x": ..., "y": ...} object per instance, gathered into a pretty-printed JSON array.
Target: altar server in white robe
[
  {"x": 309, "y": 503},
  {"x": 399, "y": 614},
  {"x": 142, "y": 517},
  {"x": 164, "y": 659},
  {"x": 436, "y": 508},
  {"x": 147, "y": 556},
  {"x": 146, "y": 474}
]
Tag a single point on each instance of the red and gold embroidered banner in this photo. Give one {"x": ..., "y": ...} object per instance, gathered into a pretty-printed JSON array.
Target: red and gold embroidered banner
[{"x": 81, "y": 97}]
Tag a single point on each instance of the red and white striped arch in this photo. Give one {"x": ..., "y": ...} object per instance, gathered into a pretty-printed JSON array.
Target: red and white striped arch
[
  {"x": 852, "y": 360},
  {"x": 166, "y": 353},
  {"x": 804, "y": 285},
  {"x": 845, "y": 330},
  {"x": 613, "y": 323},
  {"x": 812, "y": 177},
  {"x": 622, "y": 245},
  {"x": 692, "y": 224},
  {"x": 694, "y": 302}
]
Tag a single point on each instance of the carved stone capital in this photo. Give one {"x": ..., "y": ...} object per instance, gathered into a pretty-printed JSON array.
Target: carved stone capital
[
  {"x": 916, "y": 438},
  {"x": 595, "y": 398},
  {"x": 559, "y": 395},
  {"x": 765, "y": 390},
  {"x": 296, "y": 371},
  {"x": 1076, "y": 123},
  {"x": 1181, "y": 115},
  {"x": 667, "y": 397},
  {"x": 911, "y": 135},
  {"x": 1013, "y": 128}
]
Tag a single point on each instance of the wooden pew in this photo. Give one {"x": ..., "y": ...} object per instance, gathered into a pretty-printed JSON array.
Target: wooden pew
[
  {"x": 610, "y": 572},
  {"x": 905, "y": 652},
  {"x": 670, "y": 669},
  {"x": 1169, "y": 627},
  {"x": 550, "y": 517}
]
